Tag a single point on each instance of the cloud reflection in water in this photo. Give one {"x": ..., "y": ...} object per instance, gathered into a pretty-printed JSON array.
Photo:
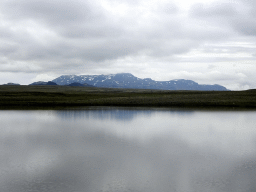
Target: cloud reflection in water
[{"x": 121, "y": 150}]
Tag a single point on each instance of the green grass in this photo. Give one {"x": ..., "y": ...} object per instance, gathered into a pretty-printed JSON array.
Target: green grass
[{"x": 26, "y": 97}]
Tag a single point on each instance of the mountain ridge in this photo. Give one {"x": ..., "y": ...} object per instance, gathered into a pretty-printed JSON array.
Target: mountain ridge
[{"x": 127, "y": 80}]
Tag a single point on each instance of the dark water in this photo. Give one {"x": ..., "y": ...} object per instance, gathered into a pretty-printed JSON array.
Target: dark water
[{"x": 127, "y": 150}]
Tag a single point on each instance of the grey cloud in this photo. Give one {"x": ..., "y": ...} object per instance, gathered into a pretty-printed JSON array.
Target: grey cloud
[
  {"x": 246, "y": 26},
  {"x": 7, "y": 49},
  {"x": 54, "y": 12},
  {"x": 239, "y": 16},
  {"x": 213, "y": 10},
  {"x": 214, "y": 21},
  {"x": 5, "y": 32},
  {"x": 71, "y": 19},
  {"x": 86, "y": 31},
  {"x": 245, "y": 22},
  {"x": 68, "y": 21}
]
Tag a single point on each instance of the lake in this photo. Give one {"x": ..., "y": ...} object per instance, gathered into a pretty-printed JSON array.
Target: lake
[{"x": 127, "y": 150}]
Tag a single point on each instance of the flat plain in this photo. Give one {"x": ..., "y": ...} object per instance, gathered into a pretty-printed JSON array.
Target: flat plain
[{"x": 55, "y": 97}]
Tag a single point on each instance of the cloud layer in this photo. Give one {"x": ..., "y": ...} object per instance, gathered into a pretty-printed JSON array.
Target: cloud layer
[{"x": 156, "y": 39}]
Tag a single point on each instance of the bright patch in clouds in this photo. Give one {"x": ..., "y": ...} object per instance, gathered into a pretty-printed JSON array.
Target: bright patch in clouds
[{"x": 211, "y": 42}]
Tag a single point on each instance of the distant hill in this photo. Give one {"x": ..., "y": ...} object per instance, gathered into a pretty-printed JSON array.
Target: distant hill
[
  {"x": 11, "y": 84},
  {"x": 79, "y": 84},
  {"x": 44, "y": 83},
  {"x": 53, "y": 83},
  {"x": 127, "y": 80}
]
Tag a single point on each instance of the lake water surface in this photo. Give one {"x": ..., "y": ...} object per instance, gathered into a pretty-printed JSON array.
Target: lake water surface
[{"x": 127, "y": 150}]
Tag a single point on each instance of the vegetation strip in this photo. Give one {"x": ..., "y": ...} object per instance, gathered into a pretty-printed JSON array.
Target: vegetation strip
[{"x": 19, "y": 97}]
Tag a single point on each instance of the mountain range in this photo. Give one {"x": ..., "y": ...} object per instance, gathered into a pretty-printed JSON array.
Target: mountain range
[{"x": 127, "y": 80}]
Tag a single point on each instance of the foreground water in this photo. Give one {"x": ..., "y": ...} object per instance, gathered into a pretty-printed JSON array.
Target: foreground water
[{"x": 121, "y": 150}]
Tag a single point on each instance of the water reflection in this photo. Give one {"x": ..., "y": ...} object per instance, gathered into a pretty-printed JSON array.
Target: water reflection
[
  {"x": 114, "y": 113},
  {"x": 148, "y": 151}
]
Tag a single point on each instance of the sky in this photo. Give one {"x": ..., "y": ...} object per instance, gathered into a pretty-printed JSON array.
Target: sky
[{"x": 210, "y": 42}]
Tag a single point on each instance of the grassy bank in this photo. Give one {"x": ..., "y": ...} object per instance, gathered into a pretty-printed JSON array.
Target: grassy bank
[{"x": 25, "y": 97}]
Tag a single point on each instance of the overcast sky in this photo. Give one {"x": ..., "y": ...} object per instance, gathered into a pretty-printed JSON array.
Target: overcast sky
[{"x": 210, "y": 42}]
